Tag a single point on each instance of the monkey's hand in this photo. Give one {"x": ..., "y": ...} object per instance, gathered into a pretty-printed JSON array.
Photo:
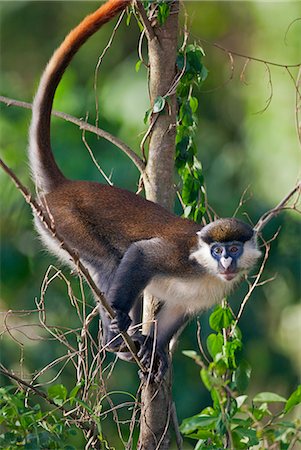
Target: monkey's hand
[
  {"x": 155, "y": 359},
  {"x": 121, "y": 322}
]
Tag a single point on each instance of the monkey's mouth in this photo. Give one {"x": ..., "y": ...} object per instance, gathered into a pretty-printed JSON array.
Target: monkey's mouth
[{"x": 227, "y": 275}]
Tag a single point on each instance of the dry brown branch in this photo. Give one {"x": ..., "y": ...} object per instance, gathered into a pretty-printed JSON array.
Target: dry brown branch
[
  {"x": 266, "y": 217},
  {"x": 39, "y": 212},
  {"x": 289, "y": 27},
  {"x": 243, "y": 200},
  {"x": 248, "y": 58},
  {"x": 270, "y": 97},
  {"x": 94, "y": 159},
  {"x": 242, "y": 73},
  {"x": 298, "y": 105},
  {"x": 87, "y": 370},
  {"x": 199, "y": 339},
  {"x": 100, "y": 59},
  {"x": 140, "y": 53},
  {"x": 88, "y": 127},
  {"x": 252, "y": 287},
  {"x": 149, "y": 30},
  {"x": 242, "y": 55}
]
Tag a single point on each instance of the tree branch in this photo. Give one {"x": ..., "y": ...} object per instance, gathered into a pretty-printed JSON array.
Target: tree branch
[
  {"x": 242, "y": 55},
  {"x": 149, "y": 31},
  {"x": 266, "y": 217},
  {"x": 50, "y": 226},
  {"x": 83, "y": 125}
]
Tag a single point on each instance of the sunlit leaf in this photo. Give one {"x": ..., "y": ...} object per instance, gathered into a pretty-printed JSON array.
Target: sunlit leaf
[
  {"x": 268, "y": 397},
  {"x": 214, "y": 344},
  {"x": 159, "y": 104},
  {"x": 293, "y": 400},
  {"x": 58, "y": 393}
]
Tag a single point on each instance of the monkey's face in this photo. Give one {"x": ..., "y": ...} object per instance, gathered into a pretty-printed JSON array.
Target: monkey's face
[
  {"x": 227, "y": 260},
  {"x": 227, "y": 249},
  {"x": 234, "y": 258},
  {"x": 227, "y": 254}
]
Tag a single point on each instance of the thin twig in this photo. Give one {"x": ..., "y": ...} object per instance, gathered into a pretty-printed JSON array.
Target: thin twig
[
  {"x": 252, "y": 287},
  {"x": 88, "y": 127},
  {"x": 266, "y": 217},
  {"x": 49, "y": 400},
  {"x": 149, "y": 31},
  {"x": 100, "y": 59},
  {"x": 270, "y": 97},
  {"x": 175, "y": 422},
  {"x": 41, "y": 214},
  {"x": 242, "y": 55},
  {"x": 94, "y": 159}
]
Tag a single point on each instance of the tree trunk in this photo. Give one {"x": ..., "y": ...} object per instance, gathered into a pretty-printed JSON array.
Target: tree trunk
[{"x": 162, "y": 50}]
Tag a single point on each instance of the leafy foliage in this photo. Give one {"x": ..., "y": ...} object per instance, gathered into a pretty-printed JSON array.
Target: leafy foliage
[
  {"x": 234, "y": 420},
  {"x": 28, "y": 427},
  {"x": 194, "y": 73}
]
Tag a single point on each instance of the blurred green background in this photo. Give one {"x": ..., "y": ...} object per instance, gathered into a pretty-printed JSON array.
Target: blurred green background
[{"x": 239, "y": 144}]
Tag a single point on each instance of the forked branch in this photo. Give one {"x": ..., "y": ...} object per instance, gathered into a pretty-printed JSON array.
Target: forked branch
[
  {"x": 39, "y": 211},
  {"x": 266, "y": 217},
  {"x": 84, "y": 125}
]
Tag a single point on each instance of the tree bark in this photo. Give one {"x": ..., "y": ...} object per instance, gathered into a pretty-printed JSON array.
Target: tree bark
[{"x": 162, "y": 49}]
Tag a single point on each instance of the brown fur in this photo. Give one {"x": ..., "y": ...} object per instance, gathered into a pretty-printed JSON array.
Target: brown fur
[
  {"x": 128, "y": 243},
  {"x": 227, "y": 230},
  {"x": 88, "y": 214},
  {"x": 45, "y": 171}
]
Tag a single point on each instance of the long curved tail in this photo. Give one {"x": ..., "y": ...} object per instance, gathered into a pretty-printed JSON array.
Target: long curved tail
[{"x": 44, "y": 169}]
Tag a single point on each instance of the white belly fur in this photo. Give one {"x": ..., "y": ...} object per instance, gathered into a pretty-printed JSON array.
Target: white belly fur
[{"x": 194, "y": 294}]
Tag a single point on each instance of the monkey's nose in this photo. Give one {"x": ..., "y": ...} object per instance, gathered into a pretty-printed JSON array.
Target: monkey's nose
[{"x": 226, "y": 261}]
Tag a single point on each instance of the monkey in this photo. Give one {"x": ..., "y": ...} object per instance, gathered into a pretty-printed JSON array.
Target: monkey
[{"x": 130, "y": 244}]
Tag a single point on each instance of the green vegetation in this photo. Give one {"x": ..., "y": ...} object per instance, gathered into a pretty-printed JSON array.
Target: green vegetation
[
  {"x": 221, "y": 139},
  {"x": 235, "y": 419}
]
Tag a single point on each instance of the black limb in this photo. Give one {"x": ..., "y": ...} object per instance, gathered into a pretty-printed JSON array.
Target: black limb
[{"x": 131, "y": 277}]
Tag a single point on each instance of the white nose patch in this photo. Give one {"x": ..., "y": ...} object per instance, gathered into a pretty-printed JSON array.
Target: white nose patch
[{"x": 226, "y": 262}]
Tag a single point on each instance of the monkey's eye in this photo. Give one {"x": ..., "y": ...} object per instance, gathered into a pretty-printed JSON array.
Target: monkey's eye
[
  {"x": 233, "y": 249},
  {"x": 218, "y": 250}
]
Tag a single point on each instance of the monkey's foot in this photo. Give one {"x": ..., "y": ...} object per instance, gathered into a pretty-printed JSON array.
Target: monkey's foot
[
  {"x": 121, "y": 322},
  {"x": 154, "y": 359},
  {"x": 116, "y": 344}
]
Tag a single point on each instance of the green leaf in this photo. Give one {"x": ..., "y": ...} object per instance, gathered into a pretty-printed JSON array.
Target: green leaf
[
  {"x": 193, "y": 101},
  {"x": 240, "y": 400},
  {"x": 231, "y": 348},
  {"x": 138, "y": 65},
  {"x": 185, "y": 114},
  {"x": 268, "y": 397},
  {"x": 220, "y": 318},
  {"x": 220, "y": 366},
  {"x": 194, "y": 423},
  {"x": 58, "y": 393},
  {"x": 190, "y": 353},
  {"x": 128, "y": 18},
  {"x": 204, "y": 73},
  {"x": 241, "y": 376},
  {"x": 147, "y": 116},
  {"x": 74, "y": 392},
  {"x": 247, "y": 436},
  {"x": 159, "y": 104},
  {"x": 187, "y": 211},
  {"x": 163, "y": 13},
  {"x": 199, "y": 213},
  {"x": 215, "y": 344},
  {"x": 206, "y": 379},
  {"x": 293, "y": 400},
  {"x": 180, "y": 61}
]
